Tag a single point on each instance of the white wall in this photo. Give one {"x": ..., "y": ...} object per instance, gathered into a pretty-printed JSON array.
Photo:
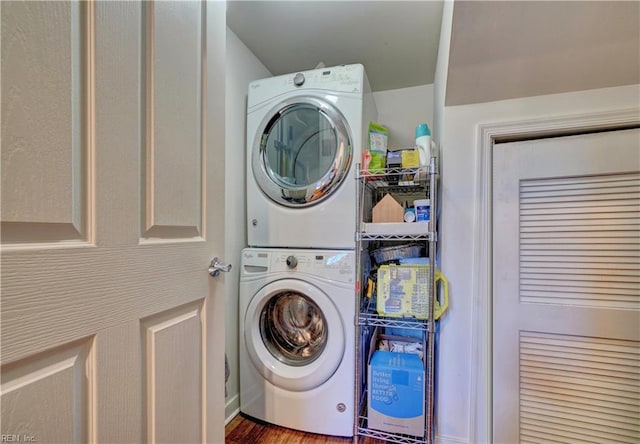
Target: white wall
[
  {"x": 242, "y": 68},
  {"x": 442, "y": 64},
  {"x": 401, "y": 110},
  {"x": 460, "y": 232},
  {"x": 460, "y": 417}
]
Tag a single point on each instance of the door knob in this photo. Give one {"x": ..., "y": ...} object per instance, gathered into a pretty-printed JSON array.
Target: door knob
[{"x": 217, "y": 266}]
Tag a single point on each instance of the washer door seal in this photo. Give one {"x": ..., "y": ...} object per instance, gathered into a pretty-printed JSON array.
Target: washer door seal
[
  {"x": 311, "y": 369},
  {"x": 302, "y": 152}
]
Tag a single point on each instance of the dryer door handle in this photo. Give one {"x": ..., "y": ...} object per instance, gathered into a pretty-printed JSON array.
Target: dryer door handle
[{"x": 217, "y": 266}]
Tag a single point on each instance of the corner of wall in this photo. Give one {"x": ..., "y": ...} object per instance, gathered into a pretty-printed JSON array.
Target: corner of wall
[
  {"x": 442, "y": 70},
  {"x": 242, "y": 67}
]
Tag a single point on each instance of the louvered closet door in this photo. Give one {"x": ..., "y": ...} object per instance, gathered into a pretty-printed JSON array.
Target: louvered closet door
[{"x": 566, "y": 239}]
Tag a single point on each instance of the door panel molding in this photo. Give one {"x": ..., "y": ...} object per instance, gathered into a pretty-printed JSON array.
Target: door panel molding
[
  {"x": 48, "y": 197},
  {"x": 64, "y": 377},
  {"x": 174, "y": 373},
  {"x": 482, "y": 319},
  {"x": 173, "y": 105}
]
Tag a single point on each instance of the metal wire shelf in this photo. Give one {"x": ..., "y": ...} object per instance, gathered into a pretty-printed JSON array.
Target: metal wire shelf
[
  {"x": 394, "y": 437},
  {"x": 371, "y": 188},
  {"x": 431, "y": 236},
  {"x": 364, "y": 430},
  {"x": 375, "y": 320}
]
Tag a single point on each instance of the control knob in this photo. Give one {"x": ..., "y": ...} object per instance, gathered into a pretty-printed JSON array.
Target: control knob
[
  {"x": 292, "y": 262},
  {"x": 298, "y": 79}
]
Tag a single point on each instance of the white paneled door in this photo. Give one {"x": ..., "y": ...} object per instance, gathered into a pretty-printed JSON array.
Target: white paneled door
[
  {"x": 566, "y": 238},
  {"x": 112, "y": 207}
]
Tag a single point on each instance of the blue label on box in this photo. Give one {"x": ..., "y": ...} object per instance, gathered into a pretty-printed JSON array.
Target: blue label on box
[
  {"x": 422, "y": 213},
  {"x": 396, "y": 384}
]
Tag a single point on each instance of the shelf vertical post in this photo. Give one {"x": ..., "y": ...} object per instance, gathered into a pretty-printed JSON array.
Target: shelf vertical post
[
  {"x": 358, "y": 293},
  {"x": 433, "y": 196}
]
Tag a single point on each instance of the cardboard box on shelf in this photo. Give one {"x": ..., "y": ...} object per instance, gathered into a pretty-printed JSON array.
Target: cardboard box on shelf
[{"x": 387, "y": 210}]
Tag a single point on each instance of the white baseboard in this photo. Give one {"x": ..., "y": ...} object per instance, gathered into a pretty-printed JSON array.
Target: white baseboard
[
  {"x": 231, "y": 408},
  {"x": 440, "y": 439}
]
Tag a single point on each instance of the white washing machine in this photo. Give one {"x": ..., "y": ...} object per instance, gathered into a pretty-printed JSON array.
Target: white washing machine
[
  {"x": 305, "y": 133},
  {"x": 296, "y": 338}
]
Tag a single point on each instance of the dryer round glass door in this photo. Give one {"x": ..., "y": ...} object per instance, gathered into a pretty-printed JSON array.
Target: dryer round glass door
[
  {"x": 302, "y": 152},
  {"x": 294, "y": 334}
]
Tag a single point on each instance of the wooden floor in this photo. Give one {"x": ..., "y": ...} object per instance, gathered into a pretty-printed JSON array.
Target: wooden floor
[{"x": 243, "y": 430}]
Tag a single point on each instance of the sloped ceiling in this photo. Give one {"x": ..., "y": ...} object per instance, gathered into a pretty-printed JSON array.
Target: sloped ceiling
[
  {"x": 498, "y": 49},
  {"x": 503, "y": 50},
  {"x": 396, "y": 41}
]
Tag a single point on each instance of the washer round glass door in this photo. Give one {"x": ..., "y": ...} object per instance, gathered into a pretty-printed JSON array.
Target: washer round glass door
[
  {"x": 302, "y": 152},
  {"x": 294, "y": 334}
]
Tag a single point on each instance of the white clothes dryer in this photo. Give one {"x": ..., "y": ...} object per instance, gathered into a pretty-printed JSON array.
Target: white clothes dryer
[
  {"x": 305, "y": 133},
  {"x": 296, "y": 338}
]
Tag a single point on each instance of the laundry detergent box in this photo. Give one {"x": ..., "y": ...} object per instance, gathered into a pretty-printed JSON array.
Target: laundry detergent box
[{"x": 396, "y": 393}]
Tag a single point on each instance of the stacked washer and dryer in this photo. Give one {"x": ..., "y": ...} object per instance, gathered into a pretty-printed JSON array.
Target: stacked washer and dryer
[{"x": 305, "y": 132}]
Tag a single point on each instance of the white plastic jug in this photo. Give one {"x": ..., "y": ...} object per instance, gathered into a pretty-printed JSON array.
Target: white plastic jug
[{"x": 423, "y": 143}]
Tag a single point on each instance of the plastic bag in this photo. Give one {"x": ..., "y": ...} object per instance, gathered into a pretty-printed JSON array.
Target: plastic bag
[{"x": 374, "y": 158}]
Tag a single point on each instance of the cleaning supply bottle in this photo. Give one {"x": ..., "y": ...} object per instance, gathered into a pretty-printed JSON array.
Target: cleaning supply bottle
[{"x": 423, "y": 143}]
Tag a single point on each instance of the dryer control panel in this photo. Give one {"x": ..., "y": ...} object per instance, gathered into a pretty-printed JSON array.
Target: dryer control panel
[{"x": 336, "y": 79}]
